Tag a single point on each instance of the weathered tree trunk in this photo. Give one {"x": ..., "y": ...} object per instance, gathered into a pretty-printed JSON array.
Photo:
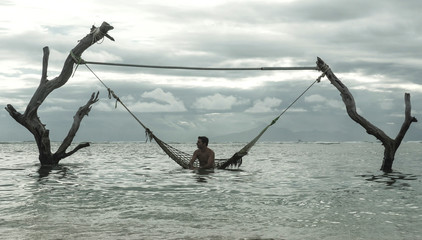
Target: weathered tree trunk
[
  {"x": 30, "y": 120},
  {"x": 390, "y": 145}
]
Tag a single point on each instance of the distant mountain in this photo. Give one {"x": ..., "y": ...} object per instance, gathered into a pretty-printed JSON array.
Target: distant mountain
[
  {"x": 413, "y": 134},
  {"x": 279, "y": 134}
]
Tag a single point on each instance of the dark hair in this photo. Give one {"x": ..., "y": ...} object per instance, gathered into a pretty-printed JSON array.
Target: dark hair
[{"x": 204, "y": 140}]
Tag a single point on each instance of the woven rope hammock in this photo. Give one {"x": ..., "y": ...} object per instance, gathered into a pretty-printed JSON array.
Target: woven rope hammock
[
  {"x": 177, "y": 155},
  {"x": 183, "y": 158}
]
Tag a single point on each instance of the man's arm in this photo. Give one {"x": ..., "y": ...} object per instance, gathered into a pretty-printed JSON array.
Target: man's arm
[{"x": 194, "y": 157}]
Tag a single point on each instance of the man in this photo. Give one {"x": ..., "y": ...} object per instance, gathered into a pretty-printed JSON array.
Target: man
[{"x": 205, "y": 155}]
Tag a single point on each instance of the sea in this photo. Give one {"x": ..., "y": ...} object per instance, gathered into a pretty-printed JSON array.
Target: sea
[{"x": 283, "y": 190}]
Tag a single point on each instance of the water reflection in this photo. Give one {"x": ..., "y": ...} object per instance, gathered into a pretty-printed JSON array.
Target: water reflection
[
  {"x": 44, "y": 171},
  {"x": 202, "y": 174},
  {"x": 389, "y": 178}
]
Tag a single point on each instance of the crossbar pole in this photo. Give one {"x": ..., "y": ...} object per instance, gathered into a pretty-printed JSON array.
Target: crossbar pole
[{"x": 202, "y": 68}]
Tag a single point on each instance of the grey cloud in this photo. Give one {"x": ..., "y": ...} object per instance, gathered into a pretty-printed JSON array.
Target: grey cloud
[
  {"x": 359, "y": 39},
  {"x": 216, "y": 102},
  {"x": 264, "y": 105}
]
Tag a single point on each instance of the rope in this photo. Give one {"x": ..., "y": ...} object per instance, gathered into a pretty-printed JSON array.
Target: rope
[
  {"x": 291, "y": 104},
  {"x": 79, "y": 60},
  {"x": 324, "y": 70},
  {"x": 246, "y": 148},
  {"x": 179, "y": 156},
  {"x": 202, "y": 68},
  {"x": 149, "y": 134},
  {"x": 112, "y": 94}
]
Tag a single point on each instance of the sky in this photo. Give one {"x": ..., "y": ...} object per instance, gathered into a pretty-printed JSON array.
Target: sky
[{"x": 373, "y": 47}]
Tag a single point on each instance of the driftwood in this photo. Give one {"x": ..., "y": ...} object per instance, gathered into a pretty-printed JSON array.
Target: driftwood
[
  {"x": 30, "y": 120},
  {"x": 390, "y": 145}
]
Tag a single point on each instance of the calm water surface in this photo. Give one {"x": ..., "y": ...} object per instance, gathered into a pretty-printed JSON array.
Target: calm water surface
[{"x": 282, "y": 191}]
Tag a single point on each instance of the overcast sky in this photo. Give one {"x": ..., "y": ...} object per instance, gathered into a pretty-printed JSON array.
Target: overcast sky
[{"x": 373, "y": 47}]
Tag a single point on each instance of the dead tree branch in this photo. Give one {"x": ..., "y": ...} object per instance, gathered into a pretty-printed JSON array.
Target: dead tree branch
[
  {"x": 30, "y": 120},
  {"x": 390, "y": 145}
]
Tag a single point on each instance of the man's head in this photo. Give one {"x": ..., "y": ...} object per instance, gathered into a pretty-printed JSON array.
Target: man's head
[{"x": 204, "y": 140}]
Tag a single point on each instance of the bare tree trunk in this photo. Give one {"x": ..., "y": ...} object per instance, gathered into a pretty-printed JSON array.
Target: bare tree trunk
[
  {"x": 390, "y": 145},
  {"x": 30, "y": 120}
]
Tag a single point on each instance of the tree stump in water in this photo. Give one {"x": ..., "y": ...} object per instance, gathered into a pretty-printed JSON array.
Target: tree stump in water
[
  {"x": 390, "y": 145},
  {"x": 30, "y": 120}
]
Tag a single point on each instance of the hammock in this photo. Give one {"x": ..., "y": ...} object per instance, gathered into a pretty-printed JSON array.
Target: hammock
[
  {"x": 183, "y": 158},
  {"x": 180, "y": 157}
]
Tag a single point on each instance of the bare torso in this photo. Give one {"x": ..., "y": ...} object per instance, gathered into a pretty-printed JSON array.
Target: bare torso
[{"x": 205, "y": 157}]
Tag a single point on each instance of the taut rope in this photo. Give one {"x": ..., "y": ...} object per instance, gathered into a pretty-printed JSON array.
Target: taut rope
[
  {"x": 112, "y": 94},
  {"x": 178, "y": 156},
  {"x": 202, "y": 68},
  {"x": 79, "y": 60}
]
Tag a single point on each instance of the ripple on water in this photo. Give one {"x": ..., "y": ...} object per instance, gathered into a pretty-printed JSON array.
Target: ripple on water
[{"x": 133, "y": 191}]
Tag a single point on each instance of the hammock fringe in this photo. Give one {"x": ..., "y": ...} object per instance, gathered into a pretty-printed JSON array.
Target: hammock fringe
[{"x": 148, "y": 135}]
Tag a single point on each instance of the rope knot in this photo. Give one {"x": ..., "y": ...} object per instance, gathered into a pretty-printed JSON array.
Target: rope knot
[
  {"x": 78, "y": 60},
  {"x": 274, "y": 121},
  {"x": 148, "y": 135},
  {"x": 111, "y": 94},
  {"x": 324, "y": 69}
]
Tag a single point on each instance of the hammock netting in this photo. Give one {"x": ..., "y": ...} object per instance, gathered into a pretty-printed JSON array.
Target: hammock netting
[{"x": 183, "y": 158}]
